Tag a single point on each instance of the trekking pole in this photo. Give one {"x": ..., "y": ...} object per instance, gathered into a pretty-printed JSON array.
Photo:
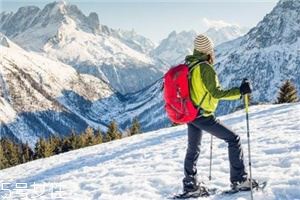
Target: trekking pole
[
  {"x": 210, "y": 162},
  {"x": 246, "y": 97}
]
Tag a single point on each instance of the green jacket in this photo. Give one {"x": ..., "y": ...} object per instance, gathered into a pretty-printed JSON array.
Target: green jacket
[{"x": 205, "y": 87}]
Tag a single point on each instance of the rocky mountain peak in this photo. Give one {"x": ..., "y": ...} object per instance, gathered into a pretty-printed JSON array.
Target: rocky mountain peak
[
  {"x": 93, "y": 21},
  {"x": 56, "y": 7},
  {"x": 53, "y": 14},
  {"x": 290, "y": 4},
  {"x": 28, "y": 9},
  {"x": 280, "y": 26},
  {"x": 19, "y": 21},
  {"x": 174, "y": 48}
]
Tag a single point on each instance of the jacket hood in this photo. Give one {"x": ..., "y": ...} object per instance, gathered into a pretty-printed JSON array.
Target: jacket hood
[{"x": 197, "y": 56}]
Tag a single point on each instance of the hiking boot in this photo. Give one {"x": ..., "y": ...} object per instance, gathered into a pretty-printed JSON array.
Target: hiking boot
[
  {"x": 190, "y": 186},
  {"x": 244, "y": 185}
]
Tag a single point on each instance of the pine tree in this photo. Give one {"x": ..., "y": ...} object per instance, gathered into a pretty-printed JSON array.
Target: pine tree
[
  {"x": 98, "y": 139},
  {"x": 3, "y": 160},
  {"x": 135, "y": 127},
  {"x": 49, "y": 148},
  {"x": 287, "y": 93},
  {"x": 57, "y": 143},
  {"x": 113, "y": 131},
  {"x": 15, "y": 155},
  {"x": 73, "y": 141},
  {"x": 37, "y": 150},
  {"x": 79, "y": 141},
  {"x": 89, "y": 136},
  {"x": 40, "y": 149},
  {"x": 66, "y": 145},
  {"x": 11, "y": 152},
  {"x": 26, "y": 153}
]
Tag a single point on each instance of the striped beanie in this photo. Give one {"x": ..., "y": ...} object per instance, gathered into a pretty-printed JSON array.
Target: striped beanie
[{"x": 203, "y": 44}]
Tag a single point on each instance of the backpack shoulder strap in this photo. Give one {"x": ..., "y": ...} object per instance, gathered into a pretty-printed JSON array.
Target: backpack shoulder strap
[{"x": 194, "y": 64}]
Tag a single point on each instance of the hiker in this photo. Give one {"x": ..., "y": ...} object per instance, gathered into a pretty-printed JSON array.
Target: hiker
[{"x": 205, "y": 91}]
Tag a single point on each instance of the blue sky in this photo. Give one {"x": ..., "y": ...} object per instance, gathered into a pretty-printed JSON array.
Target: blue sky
[{"x": 157, "y": 18}]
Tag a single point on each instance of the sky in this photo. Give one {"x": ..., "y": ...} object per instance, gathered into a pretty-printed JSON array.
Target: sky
[{"x": 157, "y": 18}]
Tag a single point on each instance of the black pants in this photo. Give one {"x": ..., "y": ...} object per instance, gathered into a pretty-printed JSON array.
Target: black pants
[{"x": 214, "y": 127}]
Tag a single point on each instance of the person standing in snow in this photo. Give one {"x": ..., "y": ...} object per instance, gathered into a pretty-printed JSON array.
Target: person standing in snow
[{"x": 206, "y": 91}]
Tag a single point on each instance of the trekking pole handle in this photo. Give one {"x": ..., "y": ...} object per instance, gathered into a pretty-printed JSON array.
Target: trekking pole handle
[{"x": 247, "y": 103}]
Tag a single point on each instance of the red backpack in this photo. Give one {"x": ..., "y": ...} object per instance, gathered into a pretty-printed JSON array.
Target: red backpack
[{"x": 178, "y": 104}]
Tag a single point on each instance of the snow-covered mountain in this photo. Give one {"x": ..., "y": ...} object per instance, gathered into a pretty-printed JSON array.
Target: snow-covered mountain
[
  {"x": 61, "y": 31},
  {"x": 40, "y": 97},
  {"x": 135, "y": 41},
  {"x": 150, "y": 166},
  {"x": 173, "y": 49},
  {"x": 36, "y": 95},
  {"x": 223, "y": 34},
  {"x": 268, "y": 54}
]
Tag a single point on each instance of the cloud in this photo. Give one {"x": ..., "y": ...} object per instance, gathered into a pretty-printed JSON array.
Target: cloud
[{"x": 216, "y": 23}]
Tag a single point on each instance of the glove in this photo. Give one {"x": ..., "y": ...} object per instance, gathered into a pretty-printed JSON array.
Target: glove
[{"x": 245, "y": 87}]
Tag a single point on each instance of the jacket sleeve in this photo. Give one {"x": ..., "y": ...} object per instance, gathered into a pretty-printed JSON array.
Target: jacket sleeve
[{"x": 211, "y": 82}]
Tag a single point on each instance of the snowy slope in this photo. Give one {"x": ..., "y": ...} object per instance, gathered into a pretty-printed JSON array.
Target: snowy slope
[
  {"x": 38, "y": 96},
  {"x": 61, "y": 31},
  {"x": 149, "y": 166}
]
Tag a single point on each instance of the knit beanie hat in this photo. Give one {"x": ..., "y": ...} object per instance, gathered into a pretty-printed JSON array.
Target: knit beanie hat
[{"x": 204, "y": 44}]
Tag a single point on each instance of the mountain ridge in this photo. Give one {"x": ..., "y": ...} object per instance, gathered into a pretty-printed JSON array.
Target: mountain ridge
[{"x": 62, "y": 32}]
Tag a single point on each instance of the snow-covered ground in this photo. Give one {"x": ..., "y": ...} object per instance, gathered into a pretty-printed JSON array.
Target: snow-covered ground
[{"x": 150, "y": 166}]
